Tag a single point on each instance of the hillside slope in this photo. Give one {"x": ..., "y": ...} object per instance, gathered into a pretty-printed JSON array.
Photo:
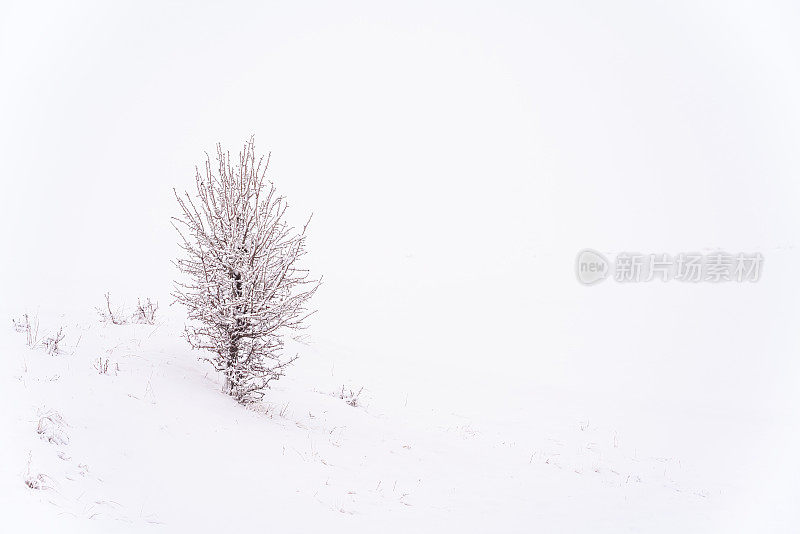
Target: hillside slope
[{"x": 125, "y": 430}]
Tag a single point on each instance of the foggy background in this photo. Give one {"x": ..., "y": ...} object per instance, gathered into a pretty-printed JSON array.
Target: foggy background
[{"x": 456, "y": 157}]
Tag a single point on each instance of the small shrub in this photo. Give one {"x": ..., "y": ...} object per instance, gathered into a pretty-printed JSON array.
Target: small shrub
[
  {"x": 145, "y": 312},
  {"x": 52, "y": 427},
  {"x": 103, "y": 366},
  {"x": 29, "y": 327},
  {"x": 52, "y": 344},
  {"x": 350, "y": 396},
  {"x": 36, "y": 481},
  {"x": 111, "y": 314}
]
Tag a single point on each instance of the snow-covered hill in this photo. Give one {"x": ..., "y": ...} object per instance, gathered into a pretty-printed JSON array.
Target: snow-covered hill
[{"x": 124, "y": 429}]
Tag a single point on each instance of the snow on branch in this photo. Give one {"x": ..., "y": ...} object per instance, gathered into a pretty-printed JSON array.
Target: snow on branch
[{"x": 243, "y": 284}]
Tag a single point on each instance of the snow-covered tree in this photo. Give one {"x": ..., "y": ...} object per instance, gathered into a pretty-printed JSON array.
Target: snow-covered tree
[{"x": 244, "y": 287}]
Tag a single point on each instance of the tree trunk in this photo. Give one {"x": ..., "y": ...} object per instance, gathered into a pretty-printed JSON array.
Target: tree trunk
[{"x": 231, "y": 373}]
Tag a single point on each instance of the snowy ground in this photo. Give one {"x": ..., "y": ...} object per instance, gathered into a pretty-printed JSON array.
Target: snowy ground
[{"x": 151, "y": 443}]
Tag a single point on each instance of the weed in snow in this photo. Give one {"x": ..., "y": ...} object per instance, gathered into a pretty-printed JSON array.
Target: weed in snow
[
  {"x": 52, "y": 427},
  {"x": 36, "y": 481},
  {"x": 52, "y": 344},
  {"x": 111, "y": 314},
  {"x": 145, "y": 312},
  {"x": 350, "y": 396},
  {"x": 30, "y": 327},
  {"x": 103, "y": 366}
]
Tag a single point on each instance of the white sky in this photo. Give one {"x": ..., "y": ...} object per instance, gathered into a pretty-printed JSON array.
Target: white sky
[{"x": 456, "y": 157}]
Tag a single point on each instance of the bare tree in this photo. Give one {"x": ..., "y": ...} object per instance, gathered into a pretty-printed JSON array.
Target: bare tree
[{"x": 245, "y": 286}]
